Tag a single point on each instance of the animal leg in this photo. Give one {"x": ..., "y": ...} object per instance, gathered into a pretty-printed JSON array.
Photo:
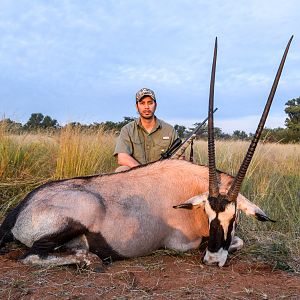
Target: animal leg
[
  {"x": 46, "y": 244},
  {"x": 73, "y": 237},
  {"x": 236, "y": 244},
  {"x": 82, "y": 258}
]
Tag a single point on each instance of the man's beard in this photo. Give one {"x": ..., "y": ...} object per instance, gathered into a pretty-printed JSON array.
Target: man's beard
[{"x": 148, "y": 116}]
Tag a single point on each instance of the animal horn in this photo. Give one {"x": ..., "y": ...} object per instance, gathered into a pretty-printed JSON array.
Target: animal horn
[
  {"x": 213, "y": 180},
  {"x": 236, "y": 185}
]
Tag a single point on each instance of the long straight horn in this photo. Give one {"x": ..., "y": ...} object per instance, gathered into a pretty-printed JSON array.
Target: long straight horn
[
  {"x": 235, "y": 188},
  {"x": 213, "y": 180}
]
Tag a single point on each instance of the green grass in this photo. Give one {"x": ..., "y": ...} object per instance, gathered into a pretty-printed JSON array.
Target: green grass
[{"x": 272, "y": 181}]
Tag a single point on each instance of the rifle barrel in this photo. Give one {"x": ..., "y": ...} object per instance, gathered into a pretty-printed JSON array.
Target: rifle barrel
[{"x": 178, "y": 153}]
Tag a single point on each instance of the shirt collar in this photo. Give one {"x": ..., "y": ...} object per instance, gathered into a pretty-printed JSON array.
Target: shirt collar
[{"x": 157, "y": 124}]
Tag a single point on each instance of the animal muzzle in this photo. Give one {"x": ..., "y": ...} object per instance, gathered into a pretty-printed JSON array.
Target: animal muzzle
[{"x": 216, "y": 258}]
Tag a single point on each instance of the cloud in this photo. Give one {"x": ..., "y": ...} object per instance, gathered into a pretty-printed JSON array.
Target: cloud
[{"x": 79, "y": 50}]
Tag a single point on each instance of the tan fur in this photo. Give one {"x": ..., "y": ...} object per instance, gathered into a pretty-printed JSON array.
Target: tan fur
[{"x": 134, "y": 213}]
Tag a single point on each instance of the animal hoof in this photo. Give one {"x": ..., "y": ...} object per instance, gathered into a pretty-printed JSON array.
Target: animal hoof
[
  {"x": 4, "y": 251},
  {"x": 97, "y": 268}
]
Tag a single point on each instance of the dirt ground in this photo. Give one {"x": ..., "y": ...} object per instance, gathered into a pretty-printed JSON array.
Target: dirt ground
[{"x": 162, "y": 275}]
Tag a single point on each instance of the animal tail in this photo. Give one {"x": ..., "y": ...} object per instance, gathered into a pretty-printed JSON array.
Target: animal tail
[{"x": 6, "y": 235}]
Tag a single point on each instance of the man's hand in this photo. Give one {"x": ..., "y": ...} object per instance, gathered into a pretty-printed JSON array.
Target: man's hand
[{"x": 125, "y": 159}]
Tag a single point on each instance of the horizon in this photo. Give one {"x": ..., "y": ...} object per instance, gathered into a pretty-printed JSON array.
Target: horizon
[{"x": 190, "y": 123}]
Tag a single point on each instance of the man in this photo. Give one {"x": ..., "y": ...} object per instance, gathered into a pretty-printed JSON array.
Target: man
[{"x": 146, "y": 138}]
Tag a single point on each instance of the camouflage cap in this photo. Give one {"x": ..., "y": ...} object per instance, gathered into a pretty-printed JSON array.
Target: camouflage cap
[{"x": 143, "y": 93}]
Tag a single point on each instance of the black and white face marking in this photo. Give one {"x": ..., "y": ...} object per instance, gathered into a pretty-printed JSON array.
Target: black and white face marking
[{"x": 221, "y": 214}]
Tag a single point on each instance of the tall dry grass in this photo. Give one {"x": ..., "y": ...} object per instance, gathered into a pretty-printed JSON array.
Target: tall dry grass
[
  {"x": 84, "y": 153},
  {"x": 272, "y": 181},
  {"x": 25, "y": 162},
  {"x": 28, "y": 160}
]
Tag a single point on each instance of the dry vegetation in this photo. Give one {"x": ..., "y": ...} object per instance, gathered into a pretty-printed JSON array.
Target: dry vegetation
[{"x": 272, "y": 182}]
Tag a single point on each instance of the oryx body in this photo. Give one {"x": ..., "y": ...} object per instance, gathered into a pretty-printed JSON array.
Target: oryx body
[
  {"x": 129, "y": 212},
  {"x": 118, "y": 215}
]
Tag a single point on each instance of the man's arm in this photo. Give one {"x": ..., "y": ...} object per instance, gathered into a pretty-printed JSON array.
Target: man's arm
[
  {"x": 125, "y": 159},
  {"x": 123, "y": 149}
]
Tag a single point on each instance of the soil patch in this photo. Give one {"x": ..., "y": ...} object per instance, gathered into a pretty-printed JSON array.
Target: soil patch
[{"x": 162, "y": 275}]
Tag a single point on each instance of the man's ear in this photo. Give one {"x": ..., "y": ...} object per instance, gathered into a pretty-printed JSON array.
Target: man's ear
[
  {"x": 194, "y": 202},
  {"x": 251, "y": 209}
]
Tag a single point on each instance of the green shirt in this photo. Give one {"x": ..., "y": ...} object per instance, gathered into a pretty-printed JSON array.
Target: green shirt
[{"x": 145, "y": 147}]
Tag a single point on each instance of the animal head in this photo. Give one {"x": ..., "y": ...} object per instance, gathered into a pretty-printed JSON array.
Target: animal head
[
  {"x": 222, "y": 208},
  {"x": 222, "y": 217}
]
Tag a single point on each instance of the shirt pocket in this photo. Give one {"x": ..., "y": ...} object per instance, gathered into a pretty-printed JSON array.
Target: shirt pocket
[
  {"x": 162, "y": 146},
  {"x": 138, "y": 151}
]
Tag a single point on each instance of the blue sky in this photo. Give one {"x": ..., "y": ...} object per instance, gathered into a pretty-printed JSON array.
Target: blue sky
[{"x": 84, "y": 60}]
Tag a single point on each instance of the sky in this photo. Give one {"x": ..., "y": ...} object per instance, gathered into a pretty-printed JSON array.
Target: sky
[{"x": 83, "y": 61}]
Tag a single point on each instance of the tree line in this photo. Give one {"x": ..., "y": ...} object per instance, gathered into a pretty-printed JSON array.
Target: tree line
[{"x": 291, "y": 133}]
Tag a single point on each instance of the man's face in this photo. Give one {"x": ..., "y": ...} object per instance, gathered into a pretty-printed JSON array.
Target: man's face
[{"x": 146, "y": 107}]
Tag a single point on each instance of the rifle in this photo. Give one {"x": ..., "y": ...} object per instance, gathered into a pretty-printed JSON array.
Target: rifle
[
  {"x": 174, "y": 152},
  {"x": 176, "y": 144}
]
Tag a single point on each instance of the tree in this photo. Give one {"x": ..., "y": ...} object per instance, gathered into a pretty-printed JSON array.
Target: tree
[
  {"x": 48, "y": 122},
  {"x": 293, "y": 111},
  {"x": 10, "y": 125},
  {"x": 37, "y": 120},
  {"x": 240, "y": 135},
  {"x": 202, "y": 132},
  {"x": 34, "y": 121},
  {"x": 126, "y": 120},
  {"x": 181, "y": 130}
]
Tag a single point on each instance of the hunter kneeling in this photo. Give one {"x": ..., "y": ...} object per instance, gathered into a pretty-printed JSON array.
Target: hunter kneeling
[{"x": 145, "y": 139}]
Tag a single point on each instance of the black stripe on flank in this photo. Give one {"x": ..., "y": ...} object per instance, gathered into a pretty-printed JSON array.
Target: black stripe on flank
[
  {"x": 96, "y": 242},
  {"x": 98, "y": 245},
  {"x": 47, "y": 244}
]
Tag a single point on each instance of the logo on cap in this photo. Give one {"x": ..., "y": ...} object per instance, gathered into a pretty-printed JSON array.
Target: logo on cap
[{"x": 143, "y": 93}]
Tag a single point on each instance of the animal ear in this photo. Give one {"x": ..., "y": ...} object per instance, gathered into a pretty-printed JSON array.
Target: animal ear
[
  {"x": 251, "y": 209},
  {"x": 193, "y": 203}
]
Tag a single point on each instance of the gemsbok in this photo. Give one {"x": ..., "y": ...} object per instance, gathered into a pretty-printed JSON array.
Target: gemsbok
[{"x": 131, "y": 213}]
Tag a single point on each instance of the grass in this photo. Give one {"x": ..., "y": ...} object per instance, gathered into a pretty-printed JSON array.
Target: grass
[
  {"x": 272, "y": 181},
  {"x": 84, "y": 153},
  {"x": 29, "y": 160}
]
